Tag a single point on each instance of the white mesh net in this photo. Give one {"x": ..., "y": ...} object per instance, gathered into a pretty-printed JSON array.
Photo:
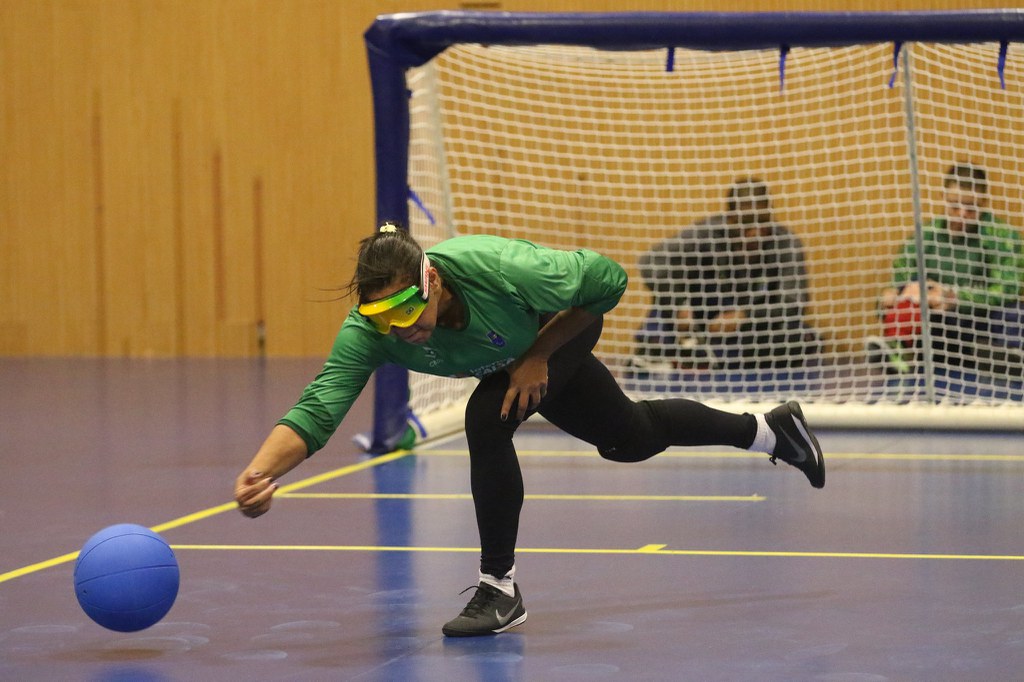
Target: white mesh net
[{"x": 579, "y": 148}]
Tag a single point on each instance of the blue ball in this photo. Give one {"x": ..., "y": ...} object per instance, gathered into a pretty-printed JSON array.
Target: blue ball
[{"x": 126, "y": 577}]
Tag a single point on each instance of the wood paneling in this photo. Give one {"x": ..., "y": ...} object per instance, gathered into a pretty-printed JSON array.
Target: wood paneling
[{"x": 178, "y": 172}]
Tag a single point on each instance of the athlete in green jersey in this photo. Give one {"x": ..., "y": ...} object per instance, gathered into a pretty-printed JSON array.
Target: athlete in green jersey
[
  {"x": 524, "y": 319},
  {"x": 499, "y": 322}
]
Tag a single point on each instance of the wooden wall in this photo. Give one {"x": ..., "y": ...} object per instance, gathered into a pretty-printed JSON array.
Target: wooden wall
[{"x": 179, "y": 175}]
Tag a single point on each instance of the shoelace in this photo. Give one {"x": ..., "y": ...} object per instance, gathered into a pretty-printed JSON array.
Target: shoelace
[{"x": 478, "y": 604}]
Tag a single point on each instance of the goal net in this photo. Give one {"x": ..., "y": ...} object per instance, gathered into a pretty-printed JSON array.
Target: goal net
[{"x": 767, "y": 199}]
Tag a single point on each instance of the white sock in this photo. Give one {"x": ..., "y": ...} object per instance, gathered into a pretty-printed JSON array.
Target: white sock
[
  {"x": 506, "y": 584},
  {"x": 764, "y": 441}
]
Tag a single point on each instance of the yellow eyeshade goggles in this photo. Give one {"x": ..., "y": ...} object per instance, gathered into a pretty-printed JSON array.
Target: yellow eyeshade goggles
[{"x": 400, "y": 309}]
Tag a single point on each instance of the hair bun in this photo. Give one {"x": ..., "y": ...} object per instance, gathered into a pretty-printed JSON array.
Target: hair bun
[{"x": 388, "y": 227}]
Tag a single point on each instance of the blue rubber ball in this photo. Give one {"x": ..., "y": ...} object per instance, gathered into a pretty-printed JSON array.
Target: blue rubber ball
[{"x": 126, "y": 577}]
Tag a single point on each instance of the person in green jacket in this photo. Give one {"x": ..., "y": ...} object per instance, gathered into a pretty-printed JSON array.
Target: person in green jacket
[
  {"x": 974, "y": 268},
  {"x": 523, "y": 319}
]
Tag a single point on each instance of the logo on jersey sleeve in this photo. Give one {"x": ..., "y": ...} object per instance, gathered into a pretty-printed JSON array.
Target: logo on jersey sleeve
[{"x": 496, "y": 339}]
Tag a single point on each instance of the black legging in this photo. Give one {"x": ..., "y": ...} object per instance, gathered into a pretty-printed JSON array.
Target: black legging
[{"x": 584, "y": 400}]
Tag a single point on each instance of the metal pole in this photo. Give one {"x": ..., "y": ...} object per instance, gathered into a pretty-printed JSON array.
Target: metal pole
[{"x": 915, "y": 190}]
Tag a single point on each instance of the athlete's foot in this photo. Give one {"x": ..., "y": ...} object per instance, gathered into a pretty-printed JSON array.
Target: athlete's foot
[
  {"x": 489, "y": 612},
  {"x": 795, "y": 444}
]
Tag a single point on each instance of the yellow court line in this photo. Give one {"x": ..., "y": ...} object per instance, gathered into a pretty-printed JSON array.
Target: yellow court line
[
  {"x": 732, "y": 454},
  {"x": 56, "y": 561},
  {"x": 206, "y": 513},
  {"x": 651, "y": 549},
  {"x": 467, "y": 496},
  {"x": 926, "y": 457},
  {"x": 646, "y": 549}
]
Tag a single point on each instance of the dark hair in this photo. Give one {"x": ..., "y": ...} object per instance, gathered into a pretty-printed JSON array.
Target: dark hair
[
  {"x": 967, "y": 176},
  {"x": 387, "y": 256},
  {"x": 748, "y": 187}
]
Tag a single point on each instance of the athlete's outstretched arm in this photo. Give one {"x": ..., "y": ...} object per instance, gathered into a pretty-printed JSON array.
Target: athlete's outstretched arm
[{"x": 281, "y": 452}]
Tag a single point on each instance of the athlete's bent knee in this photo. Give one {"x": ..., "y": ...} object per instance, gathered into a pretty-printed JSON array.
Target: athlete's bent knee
[{"x": 643, "y": 441}]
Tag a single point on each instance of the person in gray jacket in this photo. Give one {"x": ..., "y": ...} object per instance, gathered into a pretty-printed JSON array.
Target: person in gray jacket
[{"x": 729, "y": 291}]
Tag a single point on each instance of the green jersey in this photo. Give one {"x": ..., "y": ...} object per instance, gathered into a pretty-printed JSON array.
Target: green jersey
[
  {"x": 505, "y": 285},
  {"x": 987, "y": 267}
]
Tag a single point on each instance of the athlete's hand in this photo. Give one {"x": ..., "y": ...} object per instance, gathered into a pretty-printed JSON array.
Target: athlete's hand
[
  {"x": 254, "y": 492},
  {"x": 527, "y": 386}
]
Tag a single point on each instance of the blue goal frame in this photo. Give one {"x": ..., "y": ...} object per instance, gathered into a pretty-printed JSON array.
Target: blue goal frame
[{"x": 397, "y": 42}]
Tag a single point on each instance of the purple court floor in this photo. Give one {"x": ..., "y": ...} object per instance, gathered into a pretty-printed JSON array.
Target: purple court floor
[{"x": 706, "y": 564}]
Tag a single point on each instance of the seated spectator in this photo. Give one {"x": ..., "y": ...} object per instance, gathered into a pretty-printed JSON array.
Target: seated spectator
[
  {"x": 729, "y": 291},
  {"x": 973, "y": 277}
]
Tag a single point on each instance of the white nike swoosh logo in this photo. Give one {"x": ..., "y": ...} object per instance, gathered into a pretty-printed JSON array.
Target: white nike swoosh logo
[
  {"x": 504, "y": 619},
  {"x": 799, "y": 448}
]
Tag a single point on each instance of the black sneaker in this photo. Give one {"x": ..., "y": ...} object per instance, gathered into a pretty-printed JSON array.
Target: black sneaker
[
  {"x": 489, "y": 612},
  {"x": 794, "y": 442}
]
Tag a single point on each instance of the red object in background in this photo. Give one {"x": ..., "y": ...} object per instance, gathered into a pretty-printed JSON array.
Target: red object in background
[{"x": 903, "y": 322}]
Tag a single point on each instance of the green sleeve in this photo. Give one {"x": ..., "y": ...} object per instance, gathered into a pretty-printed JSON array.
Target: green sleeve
[
  {"x": 1004, "y": 268},
  {"x": 328, "y": 398},
  {"x": 549, "y": 280}
]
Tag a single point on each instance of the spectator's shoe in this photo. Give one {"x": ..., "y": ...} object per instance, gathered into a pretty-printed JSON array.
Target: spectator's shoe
[
  {"x": 489, "y": 612},
  {"x": 794, "y": 442},
  {"x": 881, "y": 352}
]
